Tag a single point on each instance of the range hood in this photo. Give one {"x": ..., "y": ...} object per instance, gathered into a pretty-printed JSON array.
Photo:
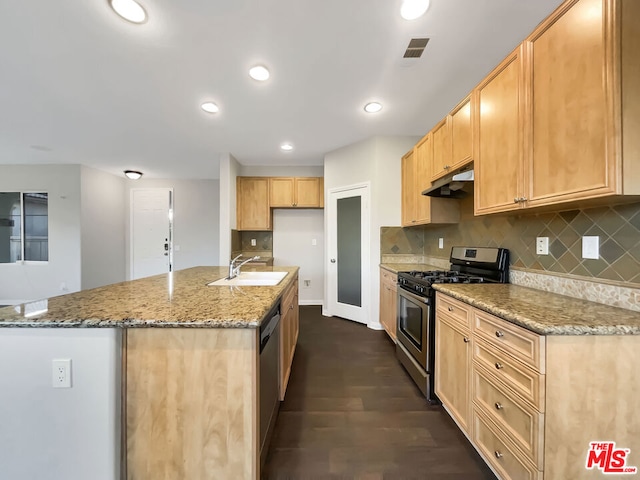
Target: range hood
[{"x": 450, "y": 186}]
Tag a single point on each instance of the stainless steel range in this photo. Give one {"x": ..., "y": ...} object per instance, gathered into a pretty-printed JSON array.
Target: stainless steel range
[{"x": 416, "y": 306}]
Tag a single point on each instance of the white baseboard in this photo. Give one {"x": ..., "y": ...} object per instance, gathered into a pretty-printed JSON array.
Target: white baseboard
[
  {"x": 375, "y": 326},
  {"x": 310, "y": 302}
]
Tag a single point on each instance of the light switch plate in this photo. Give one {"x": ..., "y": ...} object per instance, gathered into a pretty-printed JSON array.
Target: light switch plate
[
  {"x": 441, "y": 243},
  {"x": 591, "y": 247},
  {"x": 542, "y": 245},
  {"x": 253, "y": 242}
]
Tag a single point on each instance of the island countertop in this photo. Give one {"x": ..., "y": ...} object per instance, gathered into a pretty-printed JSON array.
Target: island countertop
[
  {"x": 178, "y": 299},
  {"x": 543, "y": 312}
]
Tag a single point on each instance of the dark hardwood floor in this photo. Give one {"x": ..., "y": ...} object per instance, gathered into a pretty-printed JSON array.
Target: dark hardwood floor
[{"x": 352, "y": 412}]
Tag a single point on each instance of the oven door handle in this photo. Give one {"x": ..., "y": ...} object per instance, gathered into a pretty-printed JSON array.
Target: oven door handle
[{"x": 406, "y": 293}]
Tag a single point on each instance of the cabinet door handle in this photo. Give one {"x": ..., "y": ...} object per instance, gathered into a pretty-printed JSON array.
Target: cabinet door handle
[
  {"x": 516, "y": 200},
  {"x": 466, "y": 339},
  {"x": 499, "y": 406},
  {"x": 499, "y": 334},
  {"x": 497, "y": 454},
  {"x": 499, "y": 366}
]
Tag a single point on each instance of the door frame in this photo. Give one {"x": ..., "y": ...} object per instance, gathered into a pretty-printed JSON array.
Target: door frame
[
  {"x": 331, "y": 273},
  {"x": 131, "y": 240}
]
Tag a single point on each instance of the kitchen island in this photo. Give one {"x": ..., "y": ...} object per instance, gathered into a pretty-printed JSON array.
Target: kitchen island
[{"x": 189, "y": 366}]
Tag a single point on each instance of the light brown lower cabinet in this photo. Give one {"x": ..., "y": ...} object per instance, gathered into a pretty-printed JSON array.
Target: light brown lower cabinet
[
  {"x": 389, "y": 302},
  {"x": 537, "y": 402},
  {"x": 289, "y": 328}
]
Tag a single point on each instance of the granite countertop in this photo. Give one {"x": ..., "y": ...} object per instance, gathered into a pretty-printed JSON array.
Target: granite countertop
[
  {"x": 407, "y": 267},
  {"x": 178, "y": 299},
  {"x": 543, "y": 312}
]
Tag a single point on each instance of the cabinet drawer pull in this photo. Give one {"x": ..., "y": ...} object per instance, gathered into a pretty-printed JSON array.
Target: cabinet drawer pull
[
  {"x": 497, "y": 454},
  {"x": 466, "y": 339},
  {"x": 290, "y": 307},
  {"x": 450, "y": 309},
  {"x": 499, "y": 334},
  {"x": 499, "y": 406},
  {"x": 499, "y": 366}
]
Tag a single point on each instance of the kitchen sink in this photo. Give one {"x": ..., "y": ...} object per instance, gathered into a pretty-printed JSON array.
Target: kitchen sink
[{"x": 251, "y": 279}]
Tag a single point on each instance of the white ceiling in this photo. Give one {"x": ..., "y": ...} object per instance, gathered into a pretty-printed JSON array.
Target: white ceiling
[{"x": 80, "y": 85}]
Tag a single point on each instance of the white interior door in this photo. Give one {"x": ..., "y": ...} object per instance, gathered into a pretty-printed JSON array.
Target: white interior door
[
  {"x": 151, "y": 231},
  {"x": 348, "y": 253}
]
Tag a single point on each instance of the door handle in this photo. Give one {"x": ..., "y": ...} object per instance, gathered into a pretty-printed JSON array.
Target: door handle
[{"x": 333, "y": 260}]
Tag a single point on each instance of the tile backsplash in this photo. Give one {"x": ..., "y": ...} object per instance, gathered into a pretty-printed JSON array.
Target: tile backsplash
[{"x": 617, "y": 226}]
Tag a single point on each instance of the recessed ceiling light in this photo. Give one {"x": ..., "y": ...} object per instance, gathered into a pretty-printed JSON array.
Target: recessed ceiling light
[
  {"x": 412, "y": 9},
  {"x": 287, "y": 147},
  {"x": 372, "y": 107},
  {"x": 133, "y": 174},
  {"x": 129, "y": 10},
  {"x": 259, "y": 73},
  {"x": 210, "y": 107}
]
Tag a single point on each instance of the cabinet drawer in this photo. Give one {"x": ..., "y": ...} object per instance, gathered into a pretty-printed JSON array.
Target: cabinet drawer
[
  {"x": 521, "y": 422},
  {"x": 453, "y": 309},
  {"x": 499, "y": 452},
  {"x": 526, "y": 346},
  {"x": 388, "y": 277},
  {"x": 520, "y": 378}
]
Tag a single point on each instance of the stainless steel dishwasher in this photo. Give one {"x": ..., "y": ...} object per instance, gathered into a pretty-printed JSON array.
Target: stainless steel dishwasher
[{"x": 269, "y": 378}]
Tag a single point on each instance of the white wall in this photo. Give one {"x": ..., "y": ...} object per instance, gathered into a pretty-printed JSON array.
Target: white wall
[
  {"x": 375, "y": 160},
  {"x": 195, "y": 220},
  {"x": 103, "y": 207},
  {"x": 229, "y": 170},
  {"x": 293, "y": 232},
  {"x": 19, "y": 283},
  {"x": 60, "y": 434}
]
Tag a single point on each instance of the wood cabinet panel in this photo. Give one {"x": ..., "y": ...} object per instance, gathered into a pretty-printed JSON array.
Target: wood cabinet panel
[
  {"x": 572, "y": 136},
  {"x": 289, "y": 328},
  {"x": 454, "y": 310},
  {"x": 418, "y": 209},
  {"x": 452, "y": 369},
  {"x": 388, "y": 302},
  {"x": 441, "y": 162},
  {"x": 296, "y": 192},
  {"x": 252, "y": 203},
  {"x": 461, "y": 134},
  {"x": 498, "y": 141},
  {"x": 191, "y": 408}
]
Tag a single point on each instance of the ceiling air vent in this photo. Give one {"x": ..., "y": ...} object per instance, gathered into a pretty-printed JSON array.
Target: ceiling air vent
[{"x": 416, "y": 47}]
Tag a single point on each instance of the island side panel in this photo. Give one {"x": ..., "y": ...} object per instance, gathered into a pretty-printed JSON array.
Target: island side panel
[
  {"x": 192, "y": 403},
  {"x": 593, "y": 394}
]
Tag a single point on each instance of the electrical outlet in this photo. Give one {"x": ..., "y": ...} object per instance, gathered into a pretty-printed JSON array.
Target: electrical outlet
[
  {"x": 61, "y": 373},
  {"x": 307, "y": 283},
  {"x": 314, "y": 242},
  {"x": 441, "y": 243},
  {"x": 542, "y": 245},
  {"x": 253, "y": 242},
  {"x": 591, "y": 247}
]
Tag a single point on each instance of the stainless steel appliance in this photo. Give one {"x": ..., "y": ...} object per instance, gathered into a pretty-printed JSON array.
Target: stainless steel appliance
[
  {"x": 416, "y": 306},
  {"x": 269, "y": 378}
]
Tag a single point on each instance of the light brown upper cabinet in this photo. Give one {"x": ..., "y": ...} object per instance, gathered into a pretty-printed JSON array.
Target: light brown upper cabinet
[
  {"x": 499, "y": 146},
  {"x": 252, "y": 203},
  {"x": 579, "y": 101},
  {"x": 452, "y": 140},
  {"x": 583, "y": 84},
  {"x": 296, "y": 192},
  {"x": 418, "y": 209}
]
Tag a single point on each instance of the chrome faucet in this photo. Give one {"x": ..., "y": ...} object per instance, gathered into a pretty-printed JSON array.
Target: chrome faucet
[{"x": 234, "y": 270}]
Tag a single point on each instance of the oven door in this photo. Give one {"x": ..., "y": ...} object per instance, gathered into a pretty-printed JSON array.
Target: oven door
[{"x": 413, "y": 324}]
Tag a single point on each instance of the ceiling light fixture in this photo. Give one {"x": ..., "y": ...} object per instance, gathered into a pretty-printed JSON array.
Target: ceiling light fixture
[
  {"x": 372, "y": 107},
  {"x": 287, "y": 147},
  {"x": 133, "y": 174},
  {"x": 129, "y": 10},
  {"x": 412, "y": 9},
  {"x": 259, "y": 73},
  {"x": 210, "y": 107}
]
